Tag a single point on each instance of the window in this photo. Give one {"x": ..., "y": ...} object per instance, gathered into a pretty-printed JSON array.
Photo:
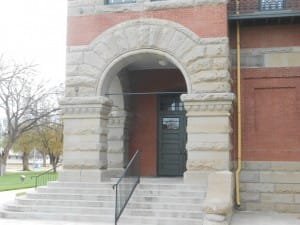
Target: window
[
  {"x": 269, "y": 5},
  {"x": 171, "y": 103},
  {"x": 111, "y": 2}
]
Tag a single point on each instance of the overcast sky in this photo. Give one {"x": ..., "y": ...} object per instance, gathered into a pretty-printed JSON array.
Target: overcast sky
[{"x": 35, "y": 31}]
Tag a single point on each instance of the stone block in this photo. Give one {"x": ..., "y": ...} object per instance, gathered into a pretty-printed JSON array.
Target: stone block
[
  {"x": 219, "y": 194},
  {"x": 285, "y": 166},
  {"x": 297, "y": 198},
  {"x": 277, "y": 198},
  {"x": 206, "y": 87},
  {"x": 209, "y": 125},
  {"x": 249, "y": 197},
  {"x": 196, "y": 177},
  {"x": 74, "y": 58},
  {"x": 256, "y": 165},
  {"x": 200, "y": 64},
  {"x": 84, "y": 175},
  {"x": 221, "y": 63},
  {"x": 287, "y": 188},
  {"x": 290, "y": 59},
  {"x": 208, "y": 137},
  {"x": 193, "y": 54},
  {"x": 217, "y": 50},
  {"x": 211, "y": 76},
  {"x": 257, "y": 187},
  {"x": 79, "y": 140},
  {"x": 257, "y": 206},
  {"x": 206, "y": 160},
  {"x": 249, "y": 176},
  {"x": 280, "y": 177},
  {"x": 81, "y": 81},
  {"x": 287, "y": 208},
  {"x": 92, "y": 59}
]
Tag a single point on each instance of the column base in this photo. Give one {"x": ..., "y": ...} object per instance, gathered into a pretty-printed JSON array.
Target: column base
[
  {"x": 196, "y": 177},
  {"x": 72, "y": 175}
]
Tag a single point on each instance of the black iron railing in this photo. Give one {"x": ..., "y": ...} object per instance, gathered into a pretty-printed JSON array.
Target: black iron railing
[
  {"x": 126, "y": 185},
  {"x": 262, "y": 6},
  {"x": 44, "y": 178}
]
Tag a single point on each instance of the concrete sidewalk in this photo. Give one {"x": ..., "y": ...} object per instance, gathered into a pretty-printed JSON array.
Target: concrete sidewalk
[
  {"x": 239, "y": 218},
  {"x": 265, "y": 218}
]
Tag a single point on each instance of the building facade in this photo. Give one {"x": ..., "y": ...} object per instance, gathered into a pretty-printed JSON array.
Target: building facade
[{"x": 160, "y": 76}]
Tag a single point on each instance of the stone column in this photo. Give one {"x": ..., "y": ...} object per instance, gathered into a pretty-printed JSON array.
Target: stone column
[
  {"x": 117, "y": 141},
  {"x": 85, "y": 138},
  {"x": 209, "y": 134}
]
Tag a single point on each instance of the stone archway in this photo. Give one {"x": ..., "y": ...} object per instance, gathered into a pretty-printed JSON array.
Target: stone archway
[{"x": 204, "y": 63}]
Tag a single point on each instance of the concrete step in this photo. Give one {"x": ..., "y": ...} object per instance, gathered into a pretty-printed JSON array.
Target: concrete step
[
  {"x": 110, "y": 191},
  {"x": 67, "y": 203},
  {"x": 60, "y": 209},
  {"x": 138, "y": 220},
  {"x": 169, "y": 200},
  {"x": 80, "y": 184},
  {"x": 78, "y": 217},
  {"x": 71, "y": 196},
  {"x": 72, "y": 190},
  {"x": 152, "y": 205},
  {"x": 154, "y": 213},
  {"x": 161, "y": 202},
  {"x": 183, "y": 187}
]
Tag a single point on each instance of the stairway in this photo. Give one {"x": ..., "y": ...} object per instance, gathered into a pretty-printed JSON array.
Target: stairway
[{"x": 159, "y": 201}]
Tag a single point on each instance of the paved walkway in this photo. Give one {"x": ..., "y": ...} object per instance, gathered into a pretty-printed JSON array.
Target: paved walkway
[{"x": 239, "y": 218}]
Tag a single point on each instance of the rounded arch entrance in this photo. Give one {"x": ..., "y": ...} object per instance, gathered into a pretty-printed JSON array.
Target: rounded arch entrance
[
  {"x": 130, "y": 44},
  {"x": 203, "y": 62},
  {"x": 145, "y": 86}
]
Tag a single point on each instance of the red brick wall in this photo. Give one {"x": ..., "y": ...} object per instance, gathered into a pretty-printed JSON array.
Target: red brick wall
[
  {"x": 206, "y": 21},
  {"x": 267, "y": 36},
  {"x": 271, "y": 114},
  {"x": 271, "y": 125},
  {"x": 144, "y": 130}
]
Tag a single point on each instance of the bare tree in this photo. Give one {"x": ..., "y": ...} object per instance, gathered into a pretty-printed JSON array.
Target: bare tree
[{"x": 22, "y": 100}]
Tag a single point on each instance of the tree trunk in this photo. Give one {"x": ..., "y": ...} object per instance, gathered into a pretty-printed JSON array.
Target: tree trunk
[
  {"x": 2, "y": 166},
  {"x": 44, "y": 159},
  {"x": 25, "y": 161}
]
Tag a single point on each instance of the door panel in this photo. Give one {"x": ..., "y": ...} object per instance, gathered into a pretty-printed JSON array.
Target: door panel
[{"x": 172, "y": 137}]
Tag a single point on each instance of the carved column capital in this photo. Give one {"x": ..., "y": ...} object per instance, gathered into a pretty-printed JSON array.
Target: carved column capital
[
  {"x": 86, "y": 107},
  {"x": 208, "y": 104}
]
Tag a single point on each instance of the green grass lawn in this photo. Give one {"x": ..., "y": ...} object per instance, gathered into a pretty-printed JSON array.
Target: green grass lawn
[{"x": 12, "y": 181}]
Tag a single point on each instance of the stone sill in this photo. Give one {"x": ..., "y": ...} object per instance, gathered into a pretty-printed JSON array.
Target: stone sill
[{"x": 94, "y": 7}]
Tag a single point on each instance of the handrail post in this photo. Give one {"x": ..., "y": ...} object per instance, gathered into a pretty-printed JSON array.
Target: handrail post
[
  {"x": 132, "y": 171},
  {"x": 116, "y": 205}
]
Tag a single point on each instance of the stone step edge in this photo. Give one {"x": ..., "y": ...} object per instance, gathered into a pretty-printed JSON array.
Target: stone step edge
[
  {"x": 107, "y": 188},
  {"x": 3, "y": 214},
  {"x": 107, "y": 183},
  {"x": 99, "y": 195},
  {"x": 105, "y": 208},
  {"x": 110, "y": 201},
  {"x": 8, "y": 214}
]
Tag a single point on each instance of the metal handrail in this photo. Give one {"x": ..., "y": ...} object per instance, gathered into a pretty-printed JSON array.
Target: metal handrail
[
  {"x": 47, "y": 172},
  {"x": 134, "y": 162}
]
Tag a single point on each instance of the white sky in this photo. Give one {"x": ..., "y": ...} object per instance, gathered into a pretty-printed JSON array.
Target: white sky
[{"x": 34, "y": 31}]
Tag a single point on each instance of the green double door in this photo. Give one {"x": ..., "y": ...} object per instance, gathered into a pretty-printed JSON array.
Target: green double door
[{"x": 172, "y": 136}]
